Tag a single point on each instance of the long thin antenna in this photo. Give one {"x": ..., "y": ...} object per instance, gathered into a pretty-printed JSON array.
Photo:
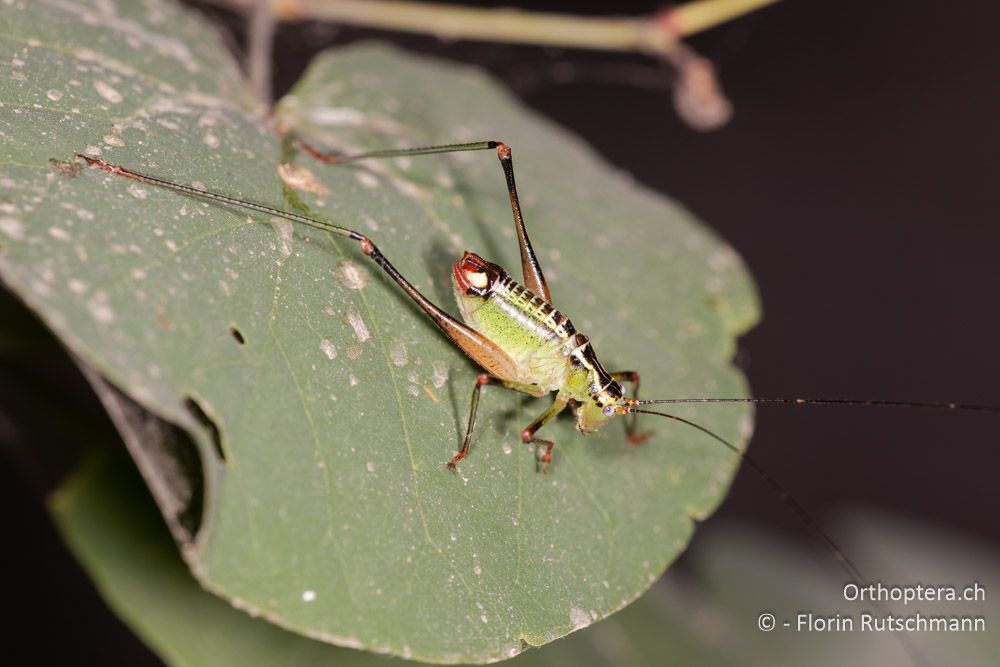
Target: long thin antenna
[
  {"x": 845, "y": 563},
  {"x": 848, "y": 566},
  {"x": 854, "y": 402}
]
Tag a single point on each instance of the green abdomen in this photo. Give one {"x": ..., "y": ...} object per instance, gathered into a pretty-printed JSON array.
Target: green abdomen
[{"x": 529, "y": 329}]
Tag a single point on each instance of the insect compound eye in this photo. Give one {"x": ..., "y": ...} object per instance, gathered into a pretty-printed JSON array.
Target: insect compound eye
[
  {"x": 473, "y": 274},
  {"x": 608, "y": 410},
  {"x": 477, "y": 279}
]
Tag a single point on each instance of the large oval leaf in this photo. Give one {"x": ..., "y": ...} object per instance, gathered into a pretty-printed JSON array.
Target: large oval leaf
[
  {"x": 336, "y": 402},
  {"x": 109, "y": 523}
]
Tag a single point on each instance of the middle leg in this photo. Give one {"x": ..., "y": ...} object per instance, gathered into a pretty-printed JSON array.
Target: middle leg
[
  {"x": 528, "y": 434},
  {"x": 481, "y": 381}
]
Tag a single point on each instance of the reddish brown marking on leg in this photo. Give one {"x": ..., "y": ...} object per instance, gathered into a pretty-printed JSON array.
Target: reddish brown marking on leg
[
  {"x": 366, "y": 245},
  {"x": 639, "y": 439},
  {"x": 97, "y": 163},
  {"x": 453, "y": 464},
  {"x": 326, "y": 158},
  {"x": 503, "y": 151},
  {"x": 546, "y": 458},
  {"x": 633, "y": 437},
  {"x": 114, "y": 169},
  {"x": 528, "y": 437}
]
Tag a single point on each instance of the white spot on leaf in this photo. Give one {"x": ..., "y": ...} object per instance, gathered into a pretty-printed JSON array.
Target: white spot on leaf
[
  {"x": 579, "y": 618},
  {"x": 302, "y": 179},
  {"x": 106, "y": 91},
  {"x": 285, "y": 233},
  {"x": 398, "y": 353},
  {"x": 440, "y": 375},
  {"x": 59, "y": 233},
  {"x": 352, "y": 275},
  {"x": 444, "y": 180},
  {"x": 12, "y": 227},
  {"x": 366, "y": 179},
  {"x": 359, "y": 326},
  {"x": 337, "y": 116},
  {"x": 99, "y": 308}
]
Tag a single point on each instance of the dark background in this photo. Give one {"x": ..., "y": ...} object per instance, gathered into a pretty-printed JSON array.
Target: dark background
[{"x": 857, "y": 181}]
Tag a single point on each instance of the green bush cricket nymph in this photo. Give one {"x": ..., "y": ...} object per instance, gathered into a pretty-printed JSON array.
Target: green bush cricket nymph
[
  {"x": 513, "y": 330},
  {"x": 522, "y": 342}
]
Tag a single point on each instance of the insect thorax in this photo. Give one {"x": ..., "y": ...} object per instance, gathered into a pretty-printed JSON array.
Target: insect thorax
[{"x": 587, "y": 377}]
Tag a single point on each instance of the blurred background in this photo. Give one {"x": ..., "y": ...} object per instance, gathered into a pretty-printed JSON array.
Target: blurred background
[{"x": 855, "y": 179}]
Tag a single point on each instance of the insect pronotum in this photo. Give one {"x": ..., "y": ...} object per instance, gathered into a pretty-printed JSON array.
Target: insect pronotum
[{"x": 522, "y": 342}]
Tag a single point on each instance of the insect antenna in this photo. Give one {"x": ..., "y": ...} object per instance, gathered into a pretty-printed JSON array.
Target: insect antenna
[
  {"x": 848, "y": 566},
  {"x": 838, "y": 555},
  {"x": 851, "y": 402},
  {"x": 916, "y": 655}
]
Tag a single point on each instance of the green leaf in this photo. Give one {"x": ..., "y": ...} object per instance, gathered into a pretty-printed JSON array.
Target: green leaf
[
  {"x": 110, "y": 524},
  {"x": 335, "y": 402}
]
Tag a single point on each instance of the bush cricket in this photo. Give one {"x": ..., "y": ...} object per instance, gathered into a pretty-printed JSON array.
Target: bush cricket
[{"x": 514, "y": 332}]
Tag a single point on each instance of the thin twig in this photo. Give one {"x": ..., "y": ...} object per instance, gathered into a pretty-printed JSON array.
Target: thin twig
[
  {"x": 260, "y": 40},
  {"x": 653, "y": 35},
  {"x": 698, "y": 98}
]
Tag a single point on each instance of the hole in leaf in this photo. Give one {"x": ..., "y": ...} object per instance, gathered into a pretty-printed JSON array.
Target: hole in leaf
[
  {"x": 184, "y": 452},
  {"x": 196, "y": 411},
  {"x": 238, "y": 335}
]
